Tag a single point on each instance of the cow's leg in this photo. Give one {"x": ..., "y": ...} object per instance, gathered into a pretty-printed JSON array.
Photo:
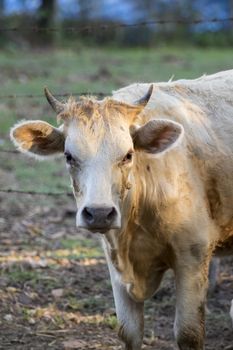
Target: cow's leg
[
  {"x": 191, "y": 288},
  {"x": 130, "y": 317},
  {"x": 129, "y": 313},
  {"x": 213, "y": 274}
]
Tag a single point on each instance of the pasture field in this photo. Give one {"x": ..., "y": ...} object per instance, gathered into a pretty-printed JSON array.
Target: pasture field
[{"x": 55, "y": 291}]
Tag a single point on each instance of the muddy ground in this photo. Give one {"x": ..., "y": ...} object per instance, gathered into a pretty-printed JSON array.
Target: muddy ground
[{"x": 55, "y": 291}]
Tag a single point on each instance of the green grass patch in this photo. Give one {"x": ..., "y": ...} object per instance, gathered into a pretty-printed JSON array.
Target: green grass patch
[
  {"x": 111, "y": 321},
  {"x": 85, "y": 69},
  {"x": 77, "y": 249},
  {"x": 75, "y": 304},
  {"x": 17, "y": 275},
  {"x": 90, "y": 304},
  {"x": 79, "y": 242}
]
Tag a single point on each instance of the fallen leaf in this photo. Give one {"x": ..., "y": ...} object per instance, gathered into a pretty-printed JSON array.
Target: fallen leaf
[
  {"x": 8, "y": 318},
  {"x": 74, "y": 344},
  {"x": 31, "y": 320},
  {"x": 12, "y": 289},
  {"x": 57, "y": 235},
  {"x": 57, "y": 293}
]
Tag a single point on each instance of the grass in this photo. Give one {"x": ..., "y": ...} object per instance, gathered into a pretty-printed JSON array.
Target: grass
[
  {"x": 78, "y": 249},
  {"x": 83, "y": 69},
  {"x": 19, "y": 276},
  {"x": 111, "y": 321},
  {"x": 83, "y": 242}
]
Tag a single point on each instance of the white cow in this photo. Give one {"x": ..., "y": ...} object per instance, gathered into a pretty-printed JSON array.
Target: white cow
[{"x": 151, "y": 169}]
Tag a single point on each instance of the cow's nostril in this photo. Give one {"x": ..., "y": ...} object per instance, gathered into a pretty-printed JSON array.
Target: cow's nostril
[
  {"x": 88, "y": 215},
  {"x": 111, "y": 215},
  {"x": 99, "y": 217}
]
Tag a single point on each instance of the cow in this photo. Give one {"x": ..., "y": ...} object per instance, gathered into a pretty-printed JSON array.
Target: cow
[{"x": 151, "y": 169}]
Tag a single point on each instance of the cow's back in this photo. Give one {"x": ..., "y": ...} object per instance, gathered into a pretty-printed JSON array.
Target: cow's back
[{"x": 213, "y": 94}]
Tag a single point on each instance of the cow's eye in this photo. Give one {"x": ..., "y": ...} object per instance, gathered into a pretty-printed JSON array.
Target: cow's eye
[
  {"x": 68, "y": 157},
  {"x": 128, "y": 157}
]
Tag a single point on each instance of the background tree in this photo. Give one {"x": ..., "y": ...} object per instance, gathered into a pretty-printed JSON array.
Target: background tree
[
  {"x": 46, "y": 14},
  {"x": 231, "y": 12},
  {"x": 2, "y": 6}
]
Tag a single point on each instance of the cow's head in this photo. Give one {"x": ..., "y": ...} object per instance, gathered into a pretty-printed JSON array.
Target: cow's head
[{"x": 100, "y": 140}]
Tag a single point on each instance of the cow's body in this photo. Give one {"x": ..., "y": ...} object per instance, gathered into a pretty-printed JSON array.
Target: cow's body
[
  {"x": 183, "y": 206},
  {"x": 176, "y": 207},
  {"x": 205, "y": 108}
]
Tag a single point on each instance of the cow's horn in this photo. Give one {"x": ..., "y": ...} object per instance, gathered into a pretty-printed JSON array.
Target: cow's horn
[
  {"x": 144, "y": 100},
  {"x": 57, "y": 106}
]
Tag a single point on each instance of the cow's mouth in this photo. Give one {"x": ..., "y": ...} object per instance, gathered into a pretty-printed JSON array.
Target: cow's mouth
[
  {"x": 102, "y": 230},
  {"x": 99, "y": 230}
]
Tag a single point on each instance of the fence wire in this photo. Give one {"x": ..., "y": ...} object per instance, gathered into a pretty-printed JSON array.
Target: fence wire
[
  {"x": 33, "y": 193},
  {"x": 87, "y": 28},
  {"x": 106, "y": 26},
  {"x": 36, "y": 193},
  {"x": 78, "y": 94}
]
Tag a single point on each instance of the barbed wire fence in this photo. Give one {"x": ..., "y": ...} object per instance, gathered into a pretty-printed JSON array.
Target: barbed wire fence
[
  {"x": 85, "y": 93},
  {"x": 86, "y": 29},
  {"x": 53, "y": 194},
  {"x": 105, "y": 26}
]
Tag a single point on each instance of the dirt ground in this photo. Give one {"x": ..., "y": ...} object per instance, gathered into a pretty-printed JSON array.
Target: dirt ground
[{"x": 55, "y": 291}]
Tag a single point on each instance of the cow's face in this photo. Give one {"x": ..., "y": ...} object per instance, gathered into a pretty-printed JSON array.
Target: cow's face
[
  {"x": 99, "y": 141},
  {"x": 99, "y": 157}
]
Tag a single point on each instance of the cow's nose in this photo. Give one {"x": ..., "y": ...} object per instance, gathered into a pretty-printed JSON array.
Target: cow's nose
[{"x": 99, "y": 217}]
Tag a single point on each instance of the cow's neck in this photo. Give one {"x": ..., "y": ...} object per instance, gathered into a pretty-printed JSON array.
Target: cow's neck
[
  {"x": 157, "y": 186},
  {"x": 140, "y": 250}
]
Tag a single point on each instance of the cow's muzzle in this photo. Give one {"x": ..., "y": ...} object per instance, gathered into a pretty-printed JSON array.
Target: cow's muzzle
[{"x": 99, "y": 219}]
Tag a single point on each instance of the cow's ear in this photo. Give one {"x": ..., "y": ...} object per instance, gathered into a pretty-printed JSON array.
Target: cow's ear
[
  {"x": 37, "y": 138},
  {"x": 157, "y": 136}
]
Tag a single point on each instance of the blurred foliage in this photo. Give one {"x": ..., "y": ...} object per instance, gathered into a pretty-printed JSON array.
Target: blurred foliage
[
  {"x": 95, "y": 34},
  {"x": 99, "y": 15}
]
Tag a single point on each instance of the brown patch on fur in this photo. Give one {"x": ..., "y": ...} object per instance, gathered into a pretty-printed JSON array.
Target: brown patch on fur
[
  {"x": 39, "y": 138},
  {"x": 148, "y": 168},
  {"x": 123, "y": 335},
  {"x": 89, "y": 109},
  {"x": 201, "y": 312},
  {"x": 75, "y": 186},
  {"x": 224, "y": 247},
  {"x": 196, "y": 250},
  {"x": 191, "y": 339},
  {"x": 213, "y": 198},
  {"x": 181, "y": 89},
  {"x": 125, "y": 184}
]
